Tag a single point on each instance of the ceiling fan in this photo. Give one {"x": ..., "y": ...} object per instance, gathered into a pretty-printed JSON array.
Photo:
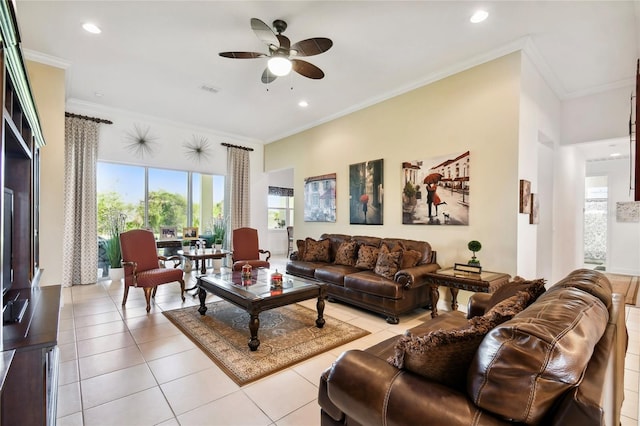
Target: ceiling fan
[{"x": 282, "y": 54}]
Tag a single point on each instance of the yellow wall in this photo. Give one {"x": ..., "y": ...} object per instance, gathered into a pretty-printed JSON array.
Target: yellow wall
[
  {"x": 475, "y": 110},
  {"x": 48, "y": 86}
]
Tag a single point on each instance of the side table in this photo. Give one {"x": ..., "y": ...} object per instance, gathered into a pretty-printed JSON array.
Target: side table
[{"x": 485, "y": 282}]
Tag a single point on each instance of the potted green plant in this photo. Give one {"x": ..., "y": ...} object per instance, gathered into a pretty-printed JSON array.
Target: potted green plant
[
  {"x": 116, "y": 226},
  {"x": 219, "y": 229},
  {"x": 474, "y": 246}
]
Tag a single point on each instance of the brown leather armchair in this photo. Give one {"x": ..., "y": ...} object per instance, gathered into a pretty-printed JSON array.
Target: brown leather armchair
[
  {"x": 142, "y": 265},
  {"x": 246, "y": 249}
]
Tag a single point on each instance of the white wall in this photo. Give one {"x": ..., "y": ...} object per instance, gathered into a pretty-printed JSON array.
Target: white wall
[
  {"x": 597, "y": 117},
  {"x": 623, "y": 248},
  {"x": 539, "y": 123},
  {"x": 568, "y": 202},
  {"x": 169, "y": 151}
]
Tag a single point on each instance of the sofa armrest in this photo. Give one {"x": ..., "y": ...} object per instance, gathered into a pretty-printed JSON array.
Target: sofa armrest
[
  {"x": 415, "y": 276},
  {"x": 370, "y": 391},
  {"x": 477, "y": 304}
]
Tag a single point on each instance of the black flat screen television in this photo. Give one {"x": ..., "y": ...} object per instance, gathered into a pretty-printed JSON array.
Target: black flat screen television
[{"x": 7, "y": 240}]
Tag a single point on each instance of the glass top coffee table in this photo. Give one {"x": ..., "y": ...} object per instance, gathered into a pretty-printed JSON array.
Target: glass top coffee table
[{"x": 255, "y": 295}]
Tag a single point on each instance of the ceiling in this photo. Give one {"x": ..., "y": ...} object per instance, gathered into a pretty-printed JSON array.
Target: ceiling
[{"x": 155, "y": 57}]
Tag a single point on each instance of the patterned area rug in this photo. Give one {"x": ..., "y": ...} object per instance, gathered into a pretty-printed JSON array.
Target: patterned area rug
[
  {"x": 625, "y": 284},
  {"x": 287, "y": 336}
]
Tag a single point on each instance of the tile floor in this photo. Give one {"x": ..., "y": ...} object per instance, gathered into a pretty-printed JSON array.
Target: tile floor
[{"x": 124, "y": 367}]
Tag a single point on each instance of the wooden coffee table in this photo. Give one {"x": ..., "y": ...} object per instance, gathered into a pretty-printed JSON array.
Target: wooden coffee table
[
  {"x": 255, "y": 295},
  {"x": 483, "y": 282}
]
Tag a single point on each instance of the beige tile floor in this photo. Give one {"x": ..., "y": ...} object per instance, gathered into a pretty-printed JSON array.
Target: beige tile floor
[{"x": 120, "y": 366}]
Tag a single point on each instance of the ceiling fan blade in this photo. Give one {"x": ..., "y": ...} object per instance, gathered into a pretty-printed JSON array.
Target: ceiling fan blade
[
  {"x": 312, "y": 46},
  {"x": 264, "y": 32},
  {"x": 242, "y": 55},
  {"x": 284, "y": 41},
  {"x": 306, "y": 69},
  {"x": 267, "y": 76}
]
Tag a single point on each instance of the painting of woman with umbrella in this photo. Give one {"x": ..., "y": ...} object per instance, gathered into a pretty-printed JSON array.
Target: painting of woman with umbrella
[
  {"x": 431, "y": 181},
  {"x": 446, "y": 179}
]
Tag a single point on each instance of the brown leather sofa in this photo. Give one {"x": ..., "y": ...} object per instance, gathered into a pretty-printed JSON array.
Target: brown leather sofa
[
  {"x": 364, "y": 288},
  {"x": 560, "y": 361}
]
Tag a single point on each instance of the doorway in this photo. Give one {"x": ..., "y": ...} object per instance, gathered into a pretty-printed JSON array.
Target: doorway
[{"x": 596, "y": 222}]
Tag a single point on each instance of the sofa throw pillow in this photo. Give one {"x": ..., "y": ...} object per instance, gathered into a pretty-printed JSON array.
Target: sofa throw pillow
[
  {"x": 316, "y": 251},
  {"x": 300, "y": 244},
  {"x": 367, "y": 257},
  {"x": 533, "y": 287},
  {"x": 346, "y": 254},
  {"x": 410, "y": 258},
  {"x": 444, "y": 356},
  {"x": 388, "y": 262}
]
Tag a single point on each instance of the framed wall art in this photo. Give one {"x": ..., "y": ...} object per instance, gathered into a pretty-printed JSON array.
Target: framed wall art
[
  {"x": 525, "y": 196},
  {"x": 534, "y": 216},
  {"x": 320, "y": 198},
  {"x": 366, "y": 193},
  {"x": 435, "y": 191}
]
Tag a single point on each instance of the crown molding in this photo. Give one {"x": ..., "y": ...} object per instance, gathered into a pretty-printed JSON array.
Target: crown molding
[{"x": 43, "y": 58}]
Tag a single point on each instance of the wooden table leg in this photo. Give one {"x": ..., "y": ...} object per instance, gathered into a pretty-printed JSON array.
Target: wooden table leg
[
  {"x": 254, "y": 324},
  {"x": 203, "y": 270},
  {"x": 202, "y": 294},
  {"x": 320, "y": 307},
  {"x": 435, "y": 296},
  {"x": 454, "y": 298}
]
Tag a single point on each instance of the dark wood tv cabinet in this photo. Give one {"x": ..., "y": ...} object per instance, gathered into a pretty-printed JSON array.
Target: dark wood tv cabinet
[{"x": 29, "y": 394}]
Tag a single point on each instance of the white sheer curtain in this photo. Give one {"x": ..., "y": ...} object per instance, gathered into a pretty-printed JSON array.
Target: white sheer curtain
[
  {"x": 80, "y": 242},
  {"x": 237, "y": 205}
]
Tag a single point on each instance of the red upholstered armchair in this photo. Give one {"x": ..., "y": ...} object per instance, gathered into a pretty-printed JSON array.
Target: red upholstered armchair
[
  {"x": 246, "y": 249},
  {"x": 141, "y": 265}
]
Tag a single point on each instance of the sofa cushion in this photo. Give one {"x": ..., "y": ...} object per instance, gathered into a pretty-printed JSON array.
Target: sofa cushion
[
  {"x": 367, "y": 257},
  {"x": 388, "y": 262},
  {"x": 534, "y": 287},
  {"x": 333, "y": 274},
  {"x": 346, "y": 254},
  {"x": 369, "y": 283},
  {"x": 537, "y": 355},
  {"x": 316, "y": 251},
  {"x": 444, "y": 355}
]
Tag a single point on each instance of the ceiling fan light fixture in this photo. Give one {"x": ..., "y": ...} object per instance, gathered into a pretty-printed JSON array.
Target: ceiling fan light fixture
[{"x": 279, "y": 66}]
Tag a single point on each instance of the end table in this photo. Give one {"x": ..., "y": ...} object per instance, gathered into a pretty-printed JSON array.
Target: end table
[{"x": 485, "y": 282}]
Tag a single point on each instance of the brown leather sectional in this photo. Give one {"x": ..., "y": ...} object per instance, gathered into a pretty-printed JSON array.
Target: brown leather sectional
[
  {"x": 407, "y": 290},
  {"x": 560, "y": 361}
]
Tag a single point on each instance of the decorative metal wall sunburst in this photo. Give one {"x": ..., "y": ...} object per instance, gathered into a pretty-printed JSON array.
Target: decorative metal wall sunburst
[
  {"x": 198, "y": 148},
  {"x": 140, "y": 142}
]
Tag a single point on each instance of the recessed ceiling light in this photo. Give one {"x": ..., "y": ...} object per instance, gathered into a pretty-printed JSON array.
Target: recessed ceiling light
[
  {"x": 479, "y": 16},
  {"x": 615, "y": 154},
  {"x": 98, "y": 94},
  {"x": 303, "y": 104},
  {"x": 91, "y": 28}
]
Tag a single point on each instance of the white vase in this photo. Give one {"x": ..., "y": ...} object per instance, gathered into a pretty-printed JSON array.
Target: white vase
[{"x": 116, "y": 274}]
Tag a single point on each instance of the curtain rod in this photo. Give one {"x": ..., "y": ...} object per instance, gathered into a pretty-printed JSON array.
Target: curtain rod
[
  {"x": 236, "y": 146},
  {"x": 86, "y": 117}
]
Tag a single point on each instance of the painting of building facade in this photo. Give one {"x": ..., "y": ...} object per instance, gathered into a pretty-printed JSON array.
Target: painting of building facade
[
  {"x": 436, "y": 191},
  {"x": 320, "y": 198},
  {"x": 366, "y": 193}
]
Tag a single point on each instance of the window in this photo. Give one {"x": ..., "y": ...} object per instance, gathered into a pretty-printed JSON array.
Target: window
[
  {"x": 153, "y": 198},
  {"x": 280, "y": 207}
]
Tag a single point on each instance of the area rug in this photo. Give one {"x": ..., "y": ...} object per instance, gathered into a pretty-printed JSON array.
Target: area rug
[
  {"x": 287, "y": 336},
  {"x": 625, "y": 284}
]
